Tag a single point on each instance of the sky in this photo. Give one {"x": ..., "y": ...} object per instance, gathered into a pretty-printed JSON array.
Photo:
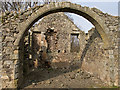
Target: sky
[
  {"x": 106, "y": 6},
  {"x": 74, "y": 1}
]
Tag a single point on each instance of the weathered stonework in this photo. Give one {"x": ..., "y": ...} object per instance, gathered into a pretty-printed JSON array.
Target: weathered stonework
[
  {"x": 103, "y": 50},
  {"x": 58, "y": 41}
]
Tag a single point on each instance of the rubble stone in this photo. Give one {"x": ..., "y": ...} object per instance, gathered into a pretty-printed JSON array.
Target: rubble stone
[{"x": 94, "y": 57}]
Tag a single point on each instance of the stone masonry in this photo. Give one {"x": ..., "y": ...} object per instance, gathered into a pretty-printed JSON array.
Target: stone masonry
[
  {"x": 100, "y": 50},
  {"x": 59, "y": 47}
]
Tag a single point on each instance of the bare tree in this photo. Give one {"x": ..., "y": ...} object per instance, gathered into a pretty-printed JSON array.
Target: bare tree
[{"x": 17, "y": 6}]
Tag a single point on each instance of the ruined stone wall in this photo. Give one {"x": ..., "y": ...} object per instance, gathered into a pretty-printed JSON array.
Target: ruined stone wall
[
  {"x": 10, "y": 21},
  {"x": 95, "y": 59},
  {"x": 9, "y": 27},
  {"x": 110, "y": 61},
  {"x": 60, "y": 45}
]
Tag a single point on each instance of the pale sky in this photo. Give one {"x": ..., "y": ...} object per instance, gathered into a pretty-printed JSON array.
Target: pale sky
[
  {"x": 106, "y": 6},
  {"x": 74, "y": 1}
]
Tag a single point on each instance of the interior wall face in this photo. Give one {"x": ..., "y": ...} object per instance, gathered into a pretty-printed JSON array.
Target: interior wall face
[{"x": 57, "y": 39}]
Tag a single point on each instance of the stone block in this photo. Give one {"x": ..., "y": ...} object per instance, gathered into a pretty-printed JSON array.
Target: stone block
[
  {"x": 9, "y": 51},
  {"x": 16, "y": 62},
  {"x": 8, "y": 62},
  {"x": 16, "y": 52},
  {"x": 9, "y": 39},
  {"x": 4, "y": 77},
  {"x": 16, "y": 47},
  {"x": 111, "y": 52},
  {"x": 14, "y": 56},
  {"x": 10, "y": 44}
]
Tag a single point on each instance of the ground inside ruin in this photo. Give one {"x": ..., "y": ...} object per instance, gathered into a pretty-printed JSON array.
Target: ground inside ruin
[{"x": 61, "y": 78}]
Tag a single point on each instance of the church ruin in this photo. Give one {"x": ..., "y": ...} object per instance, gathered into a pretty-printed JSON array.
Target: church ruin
[{"x": 52, "y": 44}]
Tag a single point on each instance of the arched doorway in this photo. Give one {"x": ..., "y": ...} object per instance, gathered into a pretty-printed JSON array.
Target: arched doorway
[{"x": 60, "y": 7}]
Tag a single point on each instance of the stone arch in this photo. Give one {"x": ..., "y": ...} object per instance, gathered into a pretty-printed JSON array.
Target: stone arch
[
  {"x": 60, "y": 7},
  {"x": 86, "y": 12}
]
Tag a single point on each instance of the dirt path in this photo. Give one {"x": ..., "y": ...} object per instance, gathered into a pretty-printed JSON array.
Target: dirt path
[{"x": 61, "y": 78}]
